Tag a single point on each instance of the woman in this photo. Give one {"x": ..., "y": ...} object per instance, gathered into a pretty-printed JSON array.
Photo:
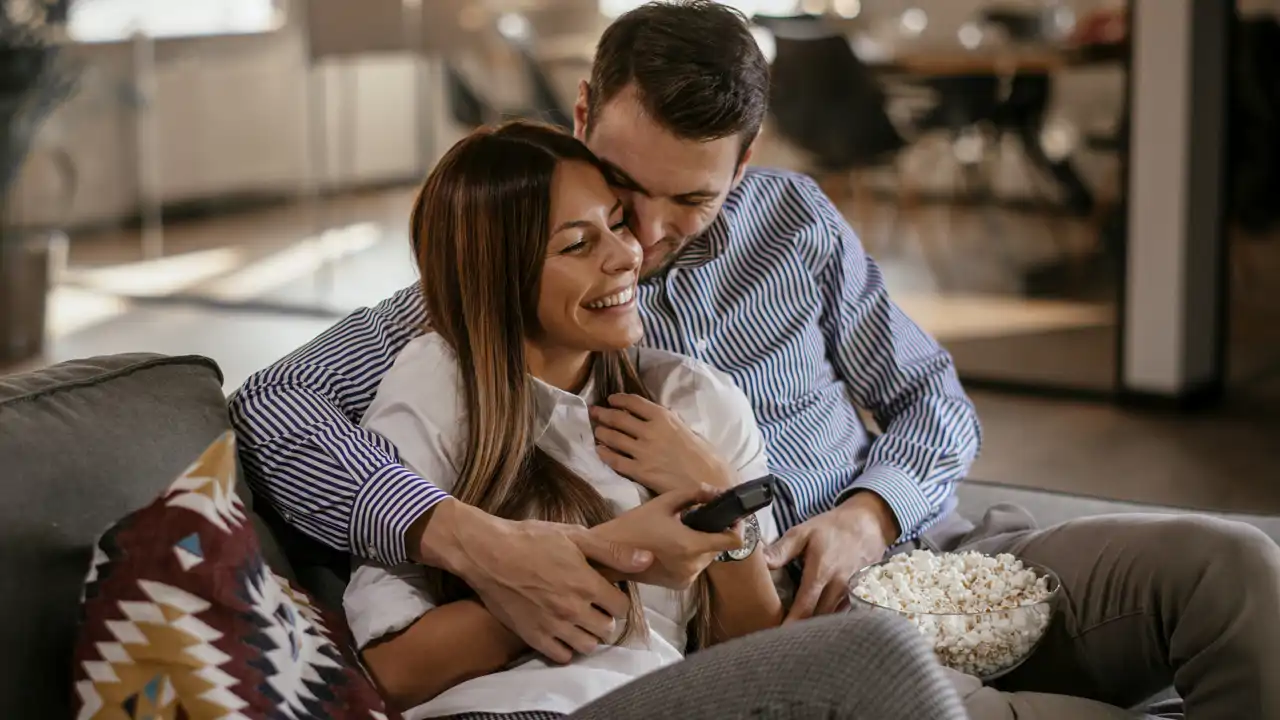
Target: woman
[{"x": 529, "y": 273}]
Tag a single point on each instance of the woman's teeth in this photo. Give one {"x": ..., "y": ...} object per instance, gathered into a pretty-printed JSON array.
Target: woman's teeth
[{"x": 620, "y": 298}]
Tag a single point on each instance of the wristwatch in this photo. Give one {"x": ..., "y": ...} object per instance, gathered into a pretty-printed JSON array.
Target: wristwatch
[{"x": 750, "y": 539}]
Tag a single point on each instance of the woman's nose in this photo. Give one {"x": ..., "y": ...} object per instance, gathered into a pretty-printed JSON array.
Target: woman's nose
[{"x": 623, "y": 254}]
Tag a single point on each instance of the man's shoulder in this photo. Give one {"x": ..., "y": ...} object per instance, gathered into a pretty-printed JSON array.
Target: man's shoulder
[
  {"x": 775, "y": 185},
  {"x": 772, "y": 205}
]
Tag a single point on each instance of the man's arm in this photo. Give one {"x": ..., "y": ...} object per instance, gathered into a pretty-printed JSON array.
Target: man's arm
[
  {"x": 896, "y": 371},
  {"x": 301, "y": 446},
  {"x": 909, "y": 383}
]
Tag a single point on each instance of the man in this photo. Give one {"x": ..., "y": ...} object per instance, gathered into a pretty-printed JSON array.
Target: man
[{"x": 756, "y": 273}]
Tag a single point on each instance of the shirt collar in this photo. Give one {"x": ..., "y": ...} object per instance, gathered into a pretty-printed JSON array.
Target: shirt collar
[
  {"x": 547, "y": 398},
  {"x": 711, "y": 244}
]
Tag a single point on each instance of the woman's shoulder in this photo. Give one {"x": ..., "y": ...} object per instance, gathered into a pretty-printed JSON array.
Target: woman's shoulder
[
  {"x": 686, "y": 384},
  {"x": 424, "y": 376}
]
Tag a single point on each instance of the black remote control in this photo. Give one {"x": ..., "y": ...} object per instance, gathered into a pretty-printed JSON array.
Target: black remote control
[{"x": 732, "y": 505}]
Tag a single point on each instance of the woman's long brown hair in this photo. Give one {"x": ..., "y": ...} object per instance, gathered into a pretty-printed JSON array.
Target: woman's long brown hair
[{"x": 480, "y": 228}]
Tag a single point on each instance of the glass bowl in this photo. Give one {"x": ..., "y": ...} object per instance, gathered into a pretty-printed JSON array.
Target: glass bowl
[{"x": 986, "y": 645}]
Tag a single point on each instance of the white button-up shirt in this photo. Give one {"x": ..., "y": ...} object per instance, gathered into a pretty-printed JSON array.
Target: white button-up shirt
[{"x": 419, "y": 408}]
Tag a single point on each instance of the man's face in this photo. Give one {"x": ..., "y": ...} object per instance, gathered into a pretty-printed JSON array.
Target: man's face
[{"x": 674, "y": 188}]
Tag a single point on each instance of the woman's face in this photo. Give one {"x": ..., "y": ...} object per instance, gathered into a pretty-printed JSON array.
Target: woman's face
[{"x": 588, "y": 293}]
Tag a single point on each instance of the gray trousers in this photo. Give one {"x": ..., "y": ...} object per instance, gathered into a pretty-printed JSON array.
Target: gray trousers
[
  {"x": 1151, "y": 601},
  {"x": 865, "y": 666}
]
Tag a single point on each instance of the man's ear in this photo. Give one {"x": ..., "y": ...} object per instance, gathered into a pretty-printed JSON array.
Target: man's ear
[
  {"x": 580, "y": 111},
  {"x": 746, "y": 159}
]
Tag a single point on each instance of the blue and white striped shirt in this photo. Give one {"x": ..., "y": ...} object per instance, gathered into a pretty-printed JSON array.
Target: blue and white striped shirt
[{"x": 779, "y": 294}]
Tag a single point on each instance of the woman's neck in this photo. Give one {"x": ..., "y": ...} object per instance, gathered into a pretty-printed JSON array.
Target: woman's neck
[{"x": 560, "y": 368}]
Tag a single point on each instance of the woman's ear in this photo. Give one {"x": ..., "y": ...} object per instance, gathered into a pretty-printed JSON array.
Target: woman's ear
[{"x": 580, "y": 111}]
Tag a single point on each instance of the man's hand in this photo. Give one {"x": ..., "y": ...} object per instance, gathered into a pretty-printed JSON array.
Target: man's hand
[
  {"x": 835, "y": 545},
  {"x": 651, "y": 445},
  {"x": 680, "y": 554},
  {"x": 533, "y": 576}
]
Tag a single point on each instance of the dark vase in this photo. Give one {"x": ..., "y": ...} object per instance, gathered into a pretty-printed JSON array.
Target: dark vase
[
  {"x": 24, "y": 289},
  {"x": 33, "y": 82}
]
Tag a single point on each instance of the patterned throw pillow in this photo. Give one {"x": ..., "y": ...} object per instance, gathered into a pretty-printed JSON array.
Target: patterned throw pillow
[{"x": 182, "y": 619}]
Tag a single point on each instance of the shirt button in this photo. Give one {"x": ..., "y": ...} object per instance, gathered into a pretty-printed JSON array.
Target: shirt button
[{"x": 701, "y": 345}]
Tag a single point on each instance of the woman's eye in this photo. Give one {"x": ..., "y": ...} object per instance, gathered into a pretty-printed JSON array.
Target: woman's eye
[{"x": 576, "y": 247}]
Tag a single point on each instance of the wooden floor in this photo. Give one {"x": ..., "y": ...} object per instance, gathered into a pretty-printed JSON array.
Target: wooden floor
[{"x": 247, "y": 288}]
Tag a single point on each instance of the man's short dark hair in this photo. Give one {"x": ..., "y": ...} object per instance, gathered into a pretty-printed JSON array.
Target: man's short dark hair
[{"x": 696, "y": 69}]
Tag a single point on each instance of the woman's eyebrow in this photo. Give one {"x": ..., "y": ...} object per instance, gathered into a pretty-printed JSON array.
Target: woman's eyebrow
[{"x": 583, "y": 223}]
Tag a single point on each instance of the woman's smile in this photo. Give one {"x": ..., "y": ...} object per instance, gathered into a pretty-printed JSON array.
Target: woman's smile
[{"x": 623, "y": 299}]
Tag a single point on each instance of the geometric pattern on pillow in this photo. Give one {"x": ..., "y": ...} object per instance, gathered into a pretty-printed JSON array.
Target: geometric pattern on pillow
[{"x": 182, "y": 619}]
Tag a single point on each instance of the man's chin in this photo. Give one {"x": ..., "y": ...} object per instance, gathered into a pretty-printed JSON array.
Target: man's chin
[{"x": 657, "y": 269}]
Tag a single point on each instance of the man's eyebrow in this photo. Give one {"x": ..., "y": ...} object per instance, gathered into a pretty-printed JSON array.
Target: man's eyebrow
[{"x": 618, "y": 177}]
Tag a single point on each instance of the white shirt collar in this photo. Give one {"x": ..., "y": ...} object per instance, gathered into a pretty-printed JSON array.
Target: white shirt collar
[{"x": 547, "y": 398}]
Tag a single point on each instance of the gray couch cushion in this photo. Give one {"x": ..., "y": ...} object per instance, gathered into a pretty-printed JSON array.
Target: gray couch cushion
[{"x": 81, "y": 445}]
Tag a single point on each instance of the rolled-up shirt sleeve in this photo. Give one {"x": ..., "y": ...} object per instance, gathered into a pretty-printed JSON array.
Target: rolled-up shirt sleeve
[{"x": 301, "y": 447}]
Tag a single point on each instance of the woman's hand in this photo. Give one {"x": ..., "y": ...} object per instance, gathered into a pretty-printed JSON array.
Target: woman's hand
[
  {"x": 651, "y": 445},
  {"x": 680, "y": 554}
]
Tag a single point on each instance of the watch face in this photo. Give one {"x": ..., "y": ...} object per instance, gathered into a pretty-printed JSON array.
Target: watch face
[{"x": 750, "y": 538}]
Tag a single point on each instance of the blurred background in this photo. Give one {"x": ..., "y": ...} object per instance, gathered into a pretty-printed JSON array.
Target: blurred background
[{"x": 1077, "y": 197}]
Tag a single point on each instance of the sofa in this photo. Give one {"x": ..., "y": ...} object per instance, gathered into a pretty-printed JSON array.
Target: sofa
[
  {"x": 81, "y": 445},
  {"x": 86, "y": 442}
]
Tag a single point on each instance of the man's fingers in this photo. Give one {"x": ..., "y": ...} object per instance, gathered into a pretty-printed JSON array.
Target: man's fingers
[
  {"x": 618, "y": 441},
  {"x": 610, "y": 600},
  {"x": 635, "y": 405},
  {"x": 599, "y": 623},
  {"x": 833, "y": 595},
  {"x": 624, "y": 559},
  {"x": 551, "y": 648},
  {"x": 619, "y": 420},
  {"x": 580, "y": 640},
  {"x": 806, "y": 597},
  {"x": 786, "y": 548}
]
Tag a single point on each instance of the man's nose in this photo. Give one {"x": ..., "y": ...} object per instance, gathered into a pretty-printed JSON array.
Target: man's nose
[{"x": 646, "y": 223}]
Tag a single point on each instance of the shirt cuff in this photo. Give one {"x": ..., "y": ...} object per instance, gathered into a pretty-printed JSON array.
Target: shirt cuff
[
  {"x": 901, "y": 492},
  {"x": 384, "y": 509}
]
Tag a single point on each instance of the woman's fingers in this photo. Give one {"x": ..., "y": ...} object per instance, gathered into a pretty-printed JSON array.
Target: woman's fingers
[
  {"x": 636, "y": 405},
  {"x": 619, "y": 420},
  {"x": 617, "y": 462},
  {"x": 617, "y": 441}
]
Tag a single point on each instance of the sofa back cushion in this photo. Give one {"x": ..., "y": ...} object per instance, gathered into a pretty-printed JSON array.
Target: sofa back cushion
[{"x": 82, "y": 444}]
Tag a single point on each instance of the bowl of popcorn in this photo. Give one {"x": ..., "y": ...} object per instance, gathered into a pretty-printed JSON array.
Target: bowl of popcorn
[{"x": 983, "y": 614}]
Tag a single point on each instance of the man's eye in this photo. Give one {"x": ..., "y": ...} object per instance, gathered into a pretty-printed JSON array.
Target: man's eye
[
  {"x": 692, "y": 202},
  {"x": 622, "y": 224}
]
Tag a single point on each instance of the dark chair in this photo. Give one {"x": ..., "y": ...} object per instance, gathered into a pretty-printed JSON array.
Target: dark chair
[
  {"x": 465, "y": 104},
  {"x": 546, "y": 104},
  {"x": 826, "y": 102}
]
